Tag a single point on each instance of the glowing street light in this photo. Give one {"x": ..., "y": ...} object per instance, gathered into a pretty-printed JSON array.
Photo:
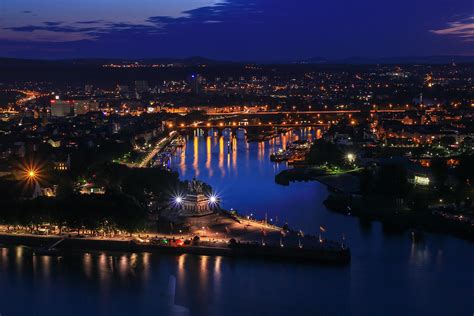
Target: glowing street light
[
  {"x": 213, "y": 199},
  {"x": 351, "y": 157},
  {"x": 177, "y": 201},
  {"x": 32, "y": 174}
]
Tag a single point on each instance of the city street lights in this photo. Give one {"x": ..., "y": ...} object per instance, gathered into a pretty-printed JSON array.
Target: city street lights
[
  {"x": 350, "y": 157},
  {"x": 31, "y": 174}
]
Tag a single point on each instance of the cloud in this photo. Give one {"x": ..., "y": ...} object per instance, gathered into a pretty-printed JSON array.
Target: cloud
[
  {"x": 109, "y": 17},
  {"x": 463, "y": 29},
  {"x": 38, "y": 35}
]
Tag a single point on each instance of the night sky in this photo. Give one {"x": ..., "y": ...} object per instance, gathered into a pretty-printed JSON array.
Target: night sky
[{"x": 256, "y": 30}]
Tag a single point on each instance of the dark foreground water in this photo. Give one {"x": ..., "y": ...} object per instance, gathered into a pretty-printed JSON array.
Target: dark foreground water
[{"x": 389, "y": 273}]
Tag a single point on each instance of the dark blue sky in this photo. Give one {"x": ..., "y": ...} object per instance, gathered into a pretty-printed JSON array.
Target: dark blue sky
[{"x": 261, "y": 30}]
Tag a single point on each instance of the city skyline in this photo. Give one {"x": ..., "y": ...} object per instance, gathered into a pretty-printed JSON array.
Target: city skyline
[{"x": 237, "y": 30}]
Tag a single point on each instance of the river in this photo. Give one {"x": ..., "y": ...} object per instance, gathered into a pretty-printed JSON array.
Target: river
[{"x": 390, "y": 274}]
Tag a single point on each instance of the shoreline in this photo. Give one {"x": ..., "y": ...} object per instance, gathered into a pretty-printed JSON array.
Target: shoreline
[
  {"x": 339, "y": 197},
  {"x": 403, "y": 219},
  {"x": 323, "y": 255}
]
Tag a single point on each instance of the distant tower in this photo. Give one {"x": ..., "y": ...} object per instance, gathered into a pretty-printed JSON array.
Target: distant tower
[
  {"x": 421, "y": 98},
  {"x": 195, "y": 82}
]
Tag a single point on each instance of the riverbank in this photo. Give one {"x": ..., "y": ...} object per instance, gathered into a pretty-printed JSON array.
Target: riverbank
[
  {"x": 326, "y": 253},
  {"x": 397, "y": 218},
  {"x": 345, "y": 198},
  {"x": 343, "y": 180}
]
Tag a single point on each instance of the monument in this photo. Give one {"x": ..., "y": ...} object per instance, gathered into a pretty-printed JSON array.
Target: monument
[{"x": 196, "y": 202}]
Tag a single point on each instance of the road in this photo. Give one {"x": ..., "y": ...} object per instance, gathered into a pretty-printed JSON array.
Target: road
[{"x": 158, "y": 147}]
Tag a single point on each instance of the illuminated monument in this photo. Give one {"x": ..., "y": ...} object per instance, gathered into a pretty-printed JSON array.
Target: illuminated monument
[{"x": 196, "y": 203}]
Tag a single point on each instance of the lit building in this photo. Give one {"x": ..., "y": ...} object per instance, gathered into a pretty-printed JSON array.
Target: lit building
[
  {"x": 81, "y": 107},
  {"x": 60, "y": 108},
  {"x": 196, "y": 81},
  {"x": 62, "y": 165}
]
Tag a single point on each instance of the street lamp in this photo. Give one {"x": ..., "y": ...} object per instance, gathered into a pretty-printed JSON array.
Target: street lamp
[
  {"x": 350, "y": 157},
  {"x": 213, "y": 199},
  {"x": 177, "y": 201},
  {"x": 31, "y": 174}
]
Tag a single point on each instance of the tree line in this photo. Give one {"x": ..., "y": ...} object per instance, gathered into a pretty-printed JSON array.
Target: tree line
[{"x": 109, "y": 212}]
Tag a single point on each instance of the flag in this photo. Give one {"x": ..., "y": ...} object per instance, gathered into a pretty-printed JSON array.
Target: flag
[{"x": 322, "y": 229}]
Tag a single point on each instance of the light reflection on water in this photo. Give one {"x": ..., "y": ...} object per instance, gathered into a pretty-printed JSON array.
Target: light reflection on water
[{"x": 389, "y": 274}]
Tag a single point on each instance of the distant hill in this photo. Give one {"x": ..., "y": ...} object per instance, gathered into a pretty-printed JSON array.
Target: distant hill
[
  {"x": 441, "y": 59},
  {"x": 197, "y": 60},
  {"x": 191, "y": 61}
]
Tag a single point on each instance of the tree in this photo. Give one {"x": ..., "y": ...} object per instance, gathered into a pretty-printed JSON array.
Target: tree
[
  {"x": 439, "y": 169},
  {"x": 392, "y": 180},
  {"x": 325, "y": 152},
  {"x": 465, "y": 170}
]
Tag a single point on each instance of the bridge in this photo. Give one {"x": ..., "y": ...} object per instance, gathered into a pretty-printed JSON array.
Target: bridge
[
  {"x": 307, "y": 112},
  {"x": 235, "y": 125}
]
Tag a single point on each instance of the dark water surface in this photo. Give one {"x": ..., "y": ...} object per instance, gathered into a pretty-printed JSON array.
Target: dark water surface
[{"x": 389, "y": 273}]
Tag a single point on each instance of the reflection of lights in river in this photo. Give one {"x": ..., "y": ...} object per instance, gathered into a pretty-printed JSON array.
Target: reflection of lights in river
[
  {"x": 261, "y": 151},
  {"x": 419, "y": 254},
  {"x": 87, "y": 263},
  {"x": 209, "y": 156},
  {"x": 146, "y": 264},
  {"x": 133, "y": 260},
  {"x": 46, "y": 265},
  {"x": 123, "y": 265},
  {"x": 234, "y": 154},
  {"x": 196, "y": 156},
  {"x": 181, "y": 261},
  {"x": 182, "y": 163},
  {"x": 19, "y": 256},
  {"x": 221, "y": 155},
  {"x": 217, "y": 267},
  {"x": 203, "y": 267},
  {"x": 104, "y": 267}
]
